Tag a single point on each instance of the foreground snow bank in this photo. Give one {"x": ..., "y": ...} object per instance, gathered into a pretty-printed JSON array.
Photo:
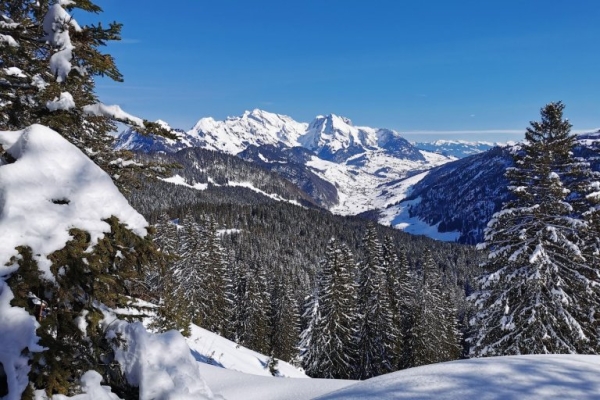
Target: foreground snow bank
[
  {"x": 514, "y": 377},
  {"x": 47, "y": 187},
  {"x": 161, "y": 365},
  {"x": 234, "y": 385}
]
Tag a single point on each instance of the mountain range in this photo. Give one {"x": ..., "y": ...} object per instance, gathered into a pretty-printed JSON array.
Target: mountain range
[
  {"x": 344, "y": 168},
  {"x": 445, "y": 189}
]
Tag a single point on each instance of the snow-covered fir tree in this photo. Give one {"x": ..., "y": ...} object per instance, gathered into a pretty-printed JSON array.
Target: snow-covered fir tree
[
  {"x": 376, "y": 334},
  {"x": 433, "y": 335},
  {"x": 48, "y": 70},
  {"x": 401, "y": 292},
  {"x": 214, "y": 304},
  {"x": 542, "y": 291},
  {"x": 253, "y": 309},
  {"x": 328, "y": 343},
  {"x": 285, "y": 320}
]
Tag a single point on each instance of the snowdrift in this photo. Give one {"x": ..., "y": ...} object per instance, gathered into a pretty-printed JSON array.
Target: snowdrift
[{"x": 513, "y": 377}]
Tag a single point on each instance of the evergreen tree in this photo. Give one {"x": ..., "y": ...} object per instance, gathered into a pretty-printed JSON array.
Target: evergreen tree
[
  {"x": 401, "y": 294},
  {"x": 376, "y": 332},
  {"x": 434, "y": 337},
  {"x": 253, "y": 310},
  {"x": 327, "y": 345},
  {"x": 47, "y": 75},
  {"x": 541, "y": 294},
  {"x": 285, "y": 321},
  {"x": 215, "y": 306}
]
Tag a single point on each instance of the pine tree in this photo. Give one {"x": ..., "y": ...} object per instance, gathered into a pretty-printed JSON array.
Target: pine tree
[
  {"x": 376, "y": 332},
  {"x": 328, "y": 349},
  {"x": 541, "y": 294}
]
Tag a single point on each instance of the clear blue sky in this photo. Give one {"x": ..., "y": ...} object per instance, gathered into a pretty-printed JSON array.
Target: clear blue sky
[{"x": 409, "y": 65}]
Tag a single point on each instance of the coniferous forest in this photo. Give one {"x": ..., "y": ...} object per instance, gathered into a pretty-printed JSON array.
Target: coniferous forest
[{"x": 242, "y": 251}]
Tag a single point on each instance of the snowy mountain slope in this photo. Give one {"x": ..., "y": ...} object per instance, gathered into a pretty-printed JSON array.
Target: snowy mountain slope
[
  {"x": 459, "y": 198},
  {"x": 343, "y": 168},
  {"x": 334, "y": 138},
  {"x": 209, "y": 348},
  {"x": 207, "y": 170},
  {"x": 254, "y": 127},
  {"x": 455, "y": 148},
  {"x": 502, "y": 378}
]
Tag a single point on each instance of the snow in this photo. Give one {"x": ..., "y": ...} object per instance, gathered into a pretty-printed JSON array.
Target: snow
[
  {"x": 9, "y": 40},
  {"x": 14, "y": 71},
  {"x": 180, "y": 180},
  {"x": 54, "y": 25},
  {"x": 161, "y": 365},
  {"x": 233, "y": 385},
  {"x": 64, "y": 102},
  {"x": 50, "y": 170},
  {"x": 17, "y": 334},
  {"x": 514, "y": 377},
  {"x": 90, "y": 386},
  {"x": 114, "y": 111},
  {"x": 208, "y": 347}
]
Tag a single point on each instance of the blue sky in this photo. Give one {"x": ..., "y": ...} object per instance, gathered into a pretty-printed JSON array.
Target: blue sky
[{"x": 444, "y": 68}]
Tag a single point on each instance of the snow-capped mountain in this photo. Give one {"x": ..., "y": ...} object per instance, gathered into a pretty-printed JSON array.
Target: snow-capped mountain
[
  {"x": 345, "y": 168},
  {"x": 335, "y": 138},
  {"x": 455, "y": 148}
]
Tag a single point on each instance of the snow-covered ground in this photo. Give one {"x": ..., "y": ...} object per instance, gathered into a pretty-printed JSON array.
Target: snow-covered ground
[
  {"x": 506, "y": 378},
  {"x": 233, "y": 385}
]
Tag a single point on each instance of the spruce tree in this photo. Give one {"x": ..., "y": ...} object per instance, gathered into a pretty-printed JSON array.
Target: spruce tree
[
  {"x": 376, "y": 332},
  {"x": 401, "y": 292},
  {"x": 328, "y": 349},
  {"x": 541, "y": 294},
  {"x": 433, "y": 335},
  {"x": 47, "y": 75},
  {"x": 215, "y": 306},
  {"x": 285, "y": 320}
]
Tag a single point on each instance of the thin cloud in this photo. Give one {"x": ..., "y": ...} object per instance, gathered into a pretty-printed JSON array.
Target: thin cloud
[{"x": 468, "y": 132}]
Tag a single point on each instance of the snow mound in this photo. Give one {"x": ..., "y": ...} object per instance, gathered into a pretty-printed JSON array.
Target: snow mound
[
  {"x": 47, "y": 187},
  {"x": 514, "y": 377},
  {"x": 161, "y": 365}
]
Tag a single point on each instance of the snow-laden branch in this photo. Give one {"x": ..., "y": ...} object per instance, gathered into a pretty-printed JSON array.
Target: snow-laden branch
[{"x": 115, "y": 112}]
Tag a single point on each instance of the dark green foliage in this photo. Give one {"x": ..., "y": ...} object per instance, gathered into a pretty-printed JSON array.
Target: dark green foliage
[
  {"x": 376, "y": 332},
  {"x": 107, "y": 274},
  {"x": 542, "y": 290},
  {"x": 433, "y": 334},
  {"x": 328, "y": 343},
  {"x": 401, "y": 292}
]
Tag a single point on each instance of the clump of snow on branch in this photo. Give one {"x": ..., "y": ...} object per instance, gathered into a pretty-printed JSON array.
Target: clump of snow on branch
[
  {"x": 90, "y": 386},
  {"x": 56, "y": 26},
  {"x": 64, "y": 102},
  {"x": 114, "y": 111},
  {"x": 50, "y": 188},
  {"x": 8, "y": 40},
  {"x": 14, "y": 71}
]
